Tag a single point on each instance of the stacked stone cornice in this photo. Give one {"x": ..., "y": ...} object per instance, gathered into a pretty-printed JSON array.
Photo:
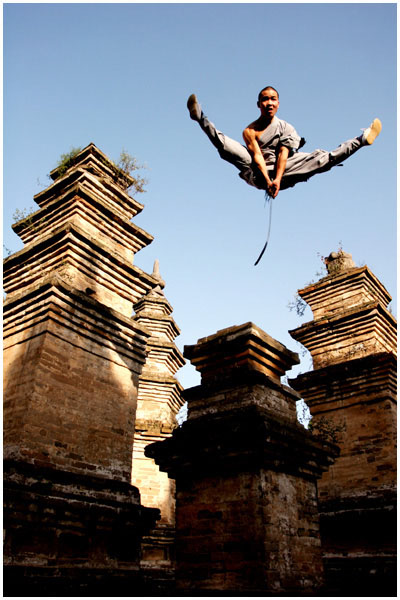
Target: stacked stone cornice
[
  {"x": 155, "y": 314},
  {"x": 100, "y": 186},
  {"x": 85, "y": 208},
  {"x": 81, "y": 260},
  {"x": 51, "y": 301},
  {"x": 155, "y": 304},
  {"x": 358, "y": 382},
  {"x": 248, "y": 345},
  {"x": 350, "y": 333},
  {"x": 344, "y": 290},
  {"x": 153, "y": 311}
]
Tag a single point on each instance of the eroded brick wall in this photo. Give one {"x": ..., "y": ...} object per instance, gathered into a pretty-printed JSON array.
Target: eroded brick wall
[{"x": 258, "y": 527}]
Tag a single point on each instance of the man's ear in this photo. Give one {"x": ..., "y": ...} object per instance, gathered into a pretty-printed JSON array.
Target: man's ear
[{"x": 258, "y": 103}]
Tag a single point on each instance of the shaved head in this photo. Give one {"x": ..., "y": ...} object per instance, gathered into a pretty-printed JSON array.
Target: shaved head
[{"x": 268, "y": 87}]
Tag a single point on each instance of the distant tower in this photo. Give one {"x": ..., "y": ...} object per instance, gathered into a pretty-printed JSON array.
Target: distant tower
[
  {"x": 351, "y": 393},
  {"x": 72, "y": 360},
  {"x": 159, "y": 400}
]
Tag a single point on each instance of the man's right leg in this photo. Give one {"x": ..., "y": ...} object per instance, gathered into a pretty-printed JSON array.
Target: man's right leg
[{"x": 228, "y": 149}]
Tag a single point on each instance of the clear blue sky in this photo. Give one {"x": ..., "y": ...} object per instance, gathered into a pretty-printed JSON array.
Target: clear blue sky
[{"x": 119, "y": 75}]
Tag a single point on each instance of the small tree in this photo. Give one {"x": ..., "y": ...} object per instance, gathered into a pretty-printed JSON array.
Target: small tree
[
  {"x": 128, "y": 165},
  {"x": 125, "y": 170},
  {"x": 66, "y": 161}
]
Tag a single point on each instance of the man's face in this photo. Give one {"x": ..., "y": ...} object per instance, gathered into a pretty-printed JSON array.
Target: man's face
[{"x": 268, "y": 103}]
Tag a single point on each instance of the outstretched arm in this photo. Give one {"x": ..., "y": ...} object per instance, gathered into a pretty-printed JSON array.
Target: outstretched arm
[
  {"x": 280, "y": 169},
  {"x": 254, "y": 149}
]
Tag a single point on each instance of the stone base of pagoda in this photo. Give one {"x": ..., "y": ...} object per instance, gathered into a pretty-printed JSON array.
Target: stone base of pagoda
[{"x": 70, "y": 534}]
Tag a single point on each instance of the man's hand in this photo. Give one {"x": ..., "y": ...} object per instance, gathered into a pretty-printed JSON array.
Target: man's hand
[
  {"x": 250, "y": 138},
  {"x": 274, "y": 188}
]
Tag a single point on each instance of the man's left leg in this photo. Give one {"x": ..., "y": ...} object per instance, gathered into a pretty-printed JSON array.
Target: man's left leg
[{"x": 301, "y": 166}]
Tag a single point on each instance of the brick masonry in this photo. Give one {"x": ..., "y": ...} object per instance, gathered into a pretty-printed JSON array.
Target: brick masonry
[
  {"x": 159, "y": 399},
  {"x": 351, "y": 394},
  {"x": 263, "y": 507},
  {"x": 71, "y": 382},
  {"x": 72, "y": 359},
  {"x": 247, "y": 517}
]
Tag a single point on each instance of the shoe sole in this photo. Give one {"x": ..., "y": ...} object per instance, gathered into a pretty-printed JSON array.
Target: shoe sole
[
  {"x": 374, "y": 131},
  {"x": 192, "y": 105}
]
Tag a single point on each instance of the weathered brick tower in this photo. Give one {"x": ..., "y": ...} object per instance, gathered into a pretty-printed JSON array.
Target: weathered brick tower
[
  {"x": 73, "y": 357},
  {"x": 352, "y": 392},
  {"x": 159, "y": 400},
  {"x": 245, "y": 471}
]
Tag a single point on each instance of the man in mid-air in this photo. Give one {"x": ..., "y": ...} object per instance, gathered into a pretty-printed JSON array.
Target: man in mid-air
[{"x": 270, "y": 160}]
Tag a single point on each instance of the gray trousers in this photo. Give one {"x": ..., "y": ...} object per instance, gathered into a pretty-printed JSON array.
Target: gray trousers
[{"x": 300, "y": 166}]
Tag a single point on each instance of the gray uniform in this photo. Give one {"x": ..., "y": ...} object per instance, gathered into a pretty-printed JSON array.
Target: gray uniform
[{"x": 300, "y": 166}]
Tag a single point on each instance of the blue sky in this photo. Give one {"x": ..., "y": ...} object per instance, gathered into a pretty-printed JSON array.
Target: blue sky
[{"x": 119, "y": 75}]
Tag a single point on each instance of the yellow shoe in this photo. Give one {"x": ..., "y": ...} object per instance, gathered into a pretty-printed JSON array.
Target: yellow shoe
[{"x": 372, "y": 132}]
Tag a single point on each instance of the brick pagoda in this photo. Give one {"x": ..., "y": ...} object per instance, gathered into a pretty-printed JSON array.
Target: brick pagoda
[
  {"x": 245, "y": 471},
  {"x": 73, "y": 357},
  {"x": 351, "y": 394},
  {"x": 159, "y": 400}
]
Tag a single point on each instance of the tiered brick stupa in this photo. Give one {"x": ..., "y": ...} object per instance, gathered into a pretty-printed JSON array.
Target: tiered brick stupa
[
  {"x": 159, "y": 400},
  {"x": 246, "y": 509},
  {"x": 73, "y": 357},
  {"x": 351, "y": 394}
]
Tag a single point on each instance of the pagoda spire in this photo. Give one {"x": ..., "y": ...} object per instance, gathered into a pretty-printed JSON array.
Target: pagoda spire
[{"x": 156, "y": 274}]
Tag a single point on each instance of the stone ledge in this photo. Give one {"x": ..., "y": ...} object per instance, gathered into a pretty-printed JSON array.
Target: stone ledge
[
  {"x": 237, "y": 378},
  {"x": 241, "y": 388},
  {"x": 243, "y": 346},
  {"x": 67, "y": 531},
  {"x": 70, "y": 243},
  {"x": 168, "y": 393},
  {"x": 162, "y": 328},
  {"x": 357, "y": 381},
  {"x": 360, "y": 331},
  {"x": 53, "y": 303},
  {"x": 70, "y": 484},
  {"x": 152, "y": 426},
  {"x": 64, "y": 207},
  {"x": 242, "y": 439},
  {"x": 383, "y": 498},
  {"x": 153, "y": 306},
  {"x": 161, "y": 352},
  {"x": 344, "y": 290},
  {"x": 150, "y": 376}
]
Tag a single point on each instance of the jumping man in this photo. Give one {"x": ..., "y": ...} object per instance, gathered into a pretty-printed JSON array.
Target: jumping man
[{"x": 270, "y": 160}]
